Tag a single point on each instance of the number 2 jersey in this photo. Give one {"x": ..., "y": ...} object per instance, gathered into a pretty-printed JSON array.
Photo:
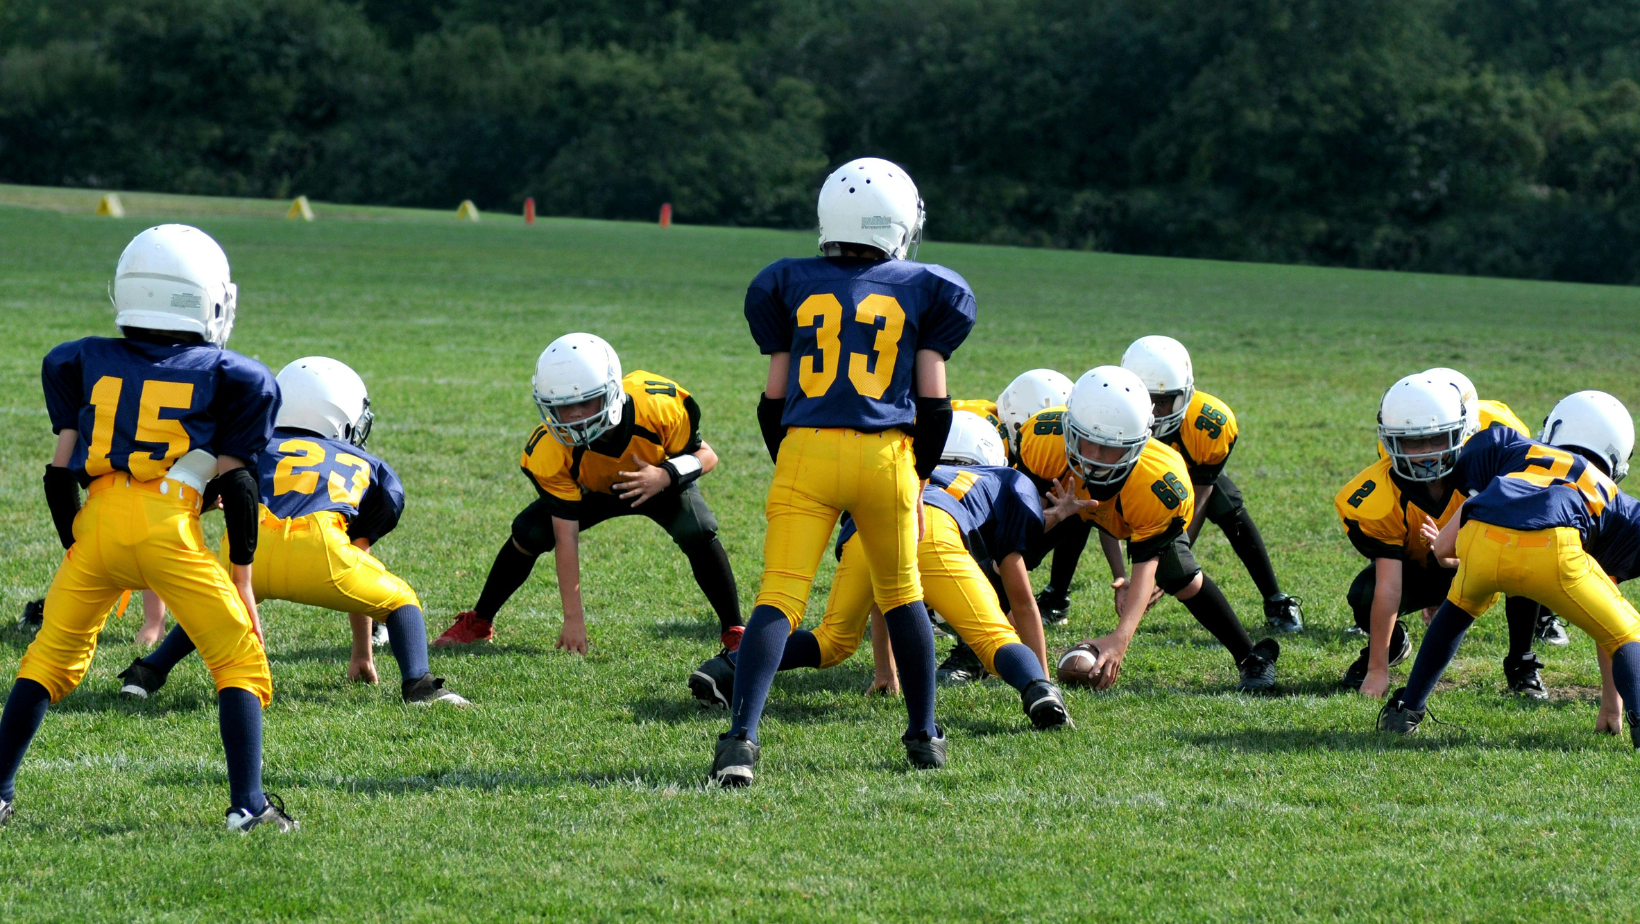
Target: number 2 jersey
[
  {"x": 1520, "y": 483},
  {"x": 853, "y": 328},
  {"x": 141, "y": 406},
  {"x": 302, "y": 472},
  {"x": 996, "y": 509}
]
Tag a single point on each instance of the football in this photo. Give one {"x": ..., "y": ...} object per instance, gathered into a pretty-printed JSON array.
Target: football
[{"x": 1078, "y": 667}]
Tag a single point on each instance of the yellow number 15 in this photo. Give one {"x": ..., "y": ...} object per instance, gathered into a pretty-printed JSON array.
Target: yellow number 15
[{"x": 870, "y": 373}]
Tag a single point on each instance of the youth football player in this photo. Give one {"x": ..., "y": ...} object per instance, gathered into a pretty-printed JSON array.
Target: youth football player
[
  {"x": 1142, "y": 490},
  {"x": 608, "y": 446},
  {"x": 1536, "y": 517},
  {"x": 144, "y": 421},
  {"x": 325, "y": 502},
  {"x": 855, "y": 413},
  {"x": 1030, "y": 392},
  {"x": 1203, "y": 430}
]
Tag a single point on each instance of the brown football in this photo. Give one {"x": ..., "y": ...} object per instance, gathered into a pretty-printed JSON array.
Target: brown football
[{"x": 1077, "y": 668}]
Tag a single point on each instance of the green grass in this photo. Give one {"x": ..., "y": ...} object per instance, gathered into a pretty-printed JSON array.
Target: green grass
[{"x": 574, "y": 789}]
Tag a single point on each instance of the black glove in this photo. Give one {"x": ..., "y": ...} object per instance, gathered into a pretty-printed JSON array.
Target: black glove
[
  {"x": 240, "y": 502},
  {"x": 929, "y": 432},
  {"x": 63, "y": 497},
  {"x": 769, "y": 412}
]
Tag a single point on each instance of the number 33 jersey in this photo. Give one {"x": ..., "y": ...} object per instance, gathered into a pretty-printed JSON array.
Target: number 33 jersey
[
  {"x": 853, "y": 328},
  {"x": 139, "y": 406},
  {"x": 302, "y": 473}
]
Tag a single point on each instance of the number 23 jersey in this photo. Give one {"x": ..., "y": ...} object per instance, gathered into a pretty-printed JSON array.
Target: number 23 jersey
[
  {"x": 853, "y": 328},
  {"x": 302, "y": 473}
]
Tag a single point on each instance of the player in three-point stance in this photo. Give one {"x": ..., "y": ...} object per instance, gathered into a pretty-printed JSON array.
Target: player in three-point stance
[
  {"x": 1539, "y": 522},
  {"x": 144, "y": 422},
  {"x": 855, "y": 413},
  {"x": 608, "y": 446},
  {"x": 1142, "y": 494},
  {"x": 325, "y": 502},
  {"x": 1029, "y": 393}
]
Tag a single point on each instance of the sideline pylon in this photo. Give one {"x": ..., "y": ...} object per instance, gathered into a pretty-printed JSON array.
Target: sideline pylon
[
  {"x": 666, "y": 214},
  {"x": 467, "y": 212},
  {"x": 529, "y": 210},
  {"x": 300, "y": 209},
  {"x": 110, "y": 206}
]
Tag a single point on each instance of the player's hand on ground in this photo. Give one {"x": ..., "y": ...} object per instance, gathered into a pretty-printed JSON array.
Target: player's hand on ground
[
  {"x": 641, "y": 485},
  {"x": 362, "y": 670},
  {"x": 1112, "y": 650},
  {"x": 1376, "y": 685},
  {"x": 1609, "y": 722},
  {"x": 573, "y": 638},
  {"x": 884, "y": 685}
]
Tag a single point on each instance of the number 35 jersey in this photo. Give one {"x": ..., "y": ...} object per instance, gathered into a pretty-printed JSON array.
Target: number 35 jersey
[
  {"x": 1205, "y": 438},
  {"x": 302, "y": 472},
  {"x": 853, "y": 328},
  {"x": 139, "y": 406}
]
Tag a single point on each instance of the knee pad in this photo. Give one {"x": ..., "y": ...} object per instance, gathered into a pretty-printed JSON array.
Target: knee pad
[
  {"x": 533, "y": 531},
  {"x": 1172, "y": 583}
]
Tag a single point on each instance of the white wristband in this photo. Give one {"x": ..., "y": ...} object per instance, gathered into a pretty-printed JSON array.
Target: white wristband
[{"x": 685, "y": 466}]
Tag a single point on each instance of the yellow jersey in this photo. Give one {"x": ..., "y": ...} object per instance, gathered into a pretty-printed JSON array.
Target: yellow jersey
[
  {"x": 985, "y": 409},
  {"x": 659, "y": 421},
  {"x": 1205, "y": 438},
  {"x": 1383, "y": 522}
]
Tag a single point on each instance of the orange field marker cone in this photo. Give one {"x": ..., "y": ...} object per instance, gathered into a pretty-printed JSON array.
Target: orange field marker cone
[
  {"x": 529, "y": 210},
  {"x": 666, "y": 214},
  {"x": 467, "y": 212}
]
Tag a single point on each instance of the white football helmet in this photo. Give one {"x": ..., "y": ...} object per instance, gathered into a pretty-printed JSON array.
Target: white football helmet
[
  {"x": 1596, "y": 422},
  {"x": 1109, "y": 406},
  {"x": 175, "y": 277},
  {"x": 973, "y": 441},
  {"x": 871, "y": 201},
  {"x": 572, "y": 369},
  {"x": 324, "y": 396},
  {"x": 1466, "y": 389},
  {"x": 1422, "y": 408},
  {"x": 1163, "y": 364},
  {"x": 1031, "y": 392}
]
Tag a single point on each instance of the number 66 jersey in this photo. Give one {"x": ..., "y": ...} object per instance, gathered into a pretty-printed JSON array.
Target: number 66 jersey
[{"x": 853, "y": 328}]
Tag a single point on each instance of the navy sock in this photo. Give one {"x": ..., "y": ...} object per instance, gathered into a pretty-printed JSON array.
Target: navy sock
[
  {"x": 1625, "y": 676},
  {"x": 407, "y": 634},
  {"x": 1017, "y": 665},
  {"x": 240, "y": 714},
  {"x": 25, "y": 710},
  {"x": 176, "y": 646},
  {"x": 761, "y": 651},
  {"x": 802, "y": 650},
  {"x": 1435, "y": 652},
  {"x": 912, "y": 639}
]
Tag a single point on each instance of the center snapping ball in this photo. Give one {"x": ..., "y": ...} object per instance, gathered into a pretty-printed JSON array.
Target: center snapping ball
[{"x": 1079, "y": 666}]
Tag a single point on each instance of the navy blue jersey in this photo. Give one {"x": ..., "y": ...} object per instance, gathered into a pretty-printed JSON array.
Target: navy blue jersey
[
  {"x": 1615, "y": 540},
  {"x": 853, "y": 328},
  {"x": 1520, "y": 483},
  {"x": 303, "y": 473},
  {"x": 997, "y": 509},
  {"x": 139, "y": 407}
]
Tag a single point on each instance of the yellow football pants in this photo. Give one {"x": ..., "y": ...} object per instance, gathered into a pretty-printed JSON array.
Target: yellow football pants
[
  {"x": 129, "y": 536},
  {"x": 1549, "y": 566},
  {"x": 310, "y": 560},
  {"x": 952, "y": 583},
  {"x": 821, "y": 473}
]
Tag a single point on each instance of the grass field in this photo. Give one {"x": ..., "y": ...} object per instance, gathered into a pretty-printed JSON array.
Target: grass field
[{"x": 574, "y": 789}]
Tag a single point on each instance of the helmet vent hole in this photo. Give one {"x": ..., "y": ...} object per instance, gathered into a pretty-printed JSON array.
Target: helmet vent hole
[{"x": 851, "y": 189}]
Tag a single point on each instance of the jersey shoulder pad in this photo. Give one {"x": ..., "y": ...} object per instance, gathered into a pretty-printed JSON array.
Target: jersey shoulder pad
[
  {"x": 1371, "y": 497},
  {"x": 657, "y": 402},
  {"x": 1209, "y": 430},
  {"x": 1496, "y": 412},
  {"x": 1042, "y": 444},
  {"x": 545, "y": 457}
]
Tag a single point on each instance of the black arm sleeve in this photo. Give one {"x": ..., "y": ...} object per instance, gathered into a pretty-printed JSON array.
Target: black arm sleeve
[
  {"x": 376, "y": 518},
  {"x": 769, "y": 412},
  {"x": 239, "y": 509},
  {"x": 929, "y": 432},
  {"x": 63, "y": 497}
]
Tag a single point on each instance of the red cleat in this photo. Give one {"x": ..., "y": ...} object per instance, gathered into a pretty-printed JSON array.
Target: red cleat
[
  {"x": 468, "y": 630},
  {"x": 731, "y": 638}
]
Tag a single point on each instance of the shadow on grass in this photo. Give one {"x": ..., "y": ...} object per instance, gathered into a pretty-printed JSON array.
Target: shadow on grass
[
  {"x": 183, "y": 698},
  {"x": 1431, "y": 738}
]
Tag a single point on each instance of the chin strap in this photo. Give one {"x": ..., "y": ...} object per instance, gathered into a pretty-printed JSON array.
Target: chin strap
[
  {"x": 240, "y": 511},
  {"x": 63, "y": 497},
  {"x": 929, "y": 432}
]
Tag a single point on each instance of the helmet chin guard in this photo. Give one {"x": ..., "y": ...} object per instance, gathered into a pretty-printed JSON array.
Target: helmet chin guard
[
  {"x": 573, "y": 370},
  {"x": 1109, "y": 408},
  {"x": 1422, "y": 424}
]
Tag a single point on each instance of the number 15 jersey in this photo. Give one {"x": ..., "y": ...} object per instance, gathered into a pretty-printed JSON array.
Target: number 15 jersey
[{"x": 853, "y": 328}]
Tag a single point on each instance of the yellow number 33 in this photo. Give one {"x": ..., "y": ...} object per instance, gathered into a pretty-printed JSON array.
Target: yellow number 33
[{"x": 869, "y": 374}]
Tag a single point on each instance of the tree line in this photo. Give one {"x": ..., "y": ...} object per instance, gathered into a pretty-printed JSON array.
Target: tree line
[{"x": 1499, "y": 137}]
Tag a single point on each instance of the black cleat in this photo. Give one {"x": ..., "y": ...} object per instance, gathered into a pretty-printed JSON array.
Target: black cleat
[
  {"x": 1396, "y": 717},
  {"x": 34, "y": 614},
  {"x": 429, "y": 690},
  {"x": 1258, "y": 669},
  {"x": 1634, "y": 733},
  {"x": 926, "y": 753},
  {"x": 1054, "y": 605},
  {"x": 713, "y": 683},
  {"x": 5, "y": 811},
  {"x": 1400, "y": 648},
  {"x": 140, "y": 680},
  {"x": 1550, "y": 630},
  {"x": 1045, "y": 705},
  {"x": 1523, "y": 678},
  {"x": 732, "y": 765},
  {"x": 960, "y": 666},
  {"x": 273, "y": 815},
  {"x": 1284, "y": 614}
]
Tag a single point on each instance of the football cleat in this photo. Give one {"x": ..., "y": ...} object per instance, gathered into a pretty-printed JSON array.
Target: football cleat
[
  {"x": 5, "y": 811},
  {"x": 1054, "y": 605},
  {"x": 713, "y": 683},
  {"x": 34, "y": 613},
  {"x": 468, "y": 630},
  {"x": 378, "y": 634},
  {"x": 1396, "y": 717},
  {"x": 1284, "y": 614},
  {"x": 960, "y": 666},
  {"x": 1045, "y": 705},
  {"x": 926, "y": 753},
  {"x": 732, "y": 765},
  {"x": 731, "y": 637},
  {"x": 1400, "y": 648},
  {"x": 429, "y": 690},
  {"x": 1634, "y": 739},
  {"x": 141, "y": 681},
  {"x": 1523, "y": 678},
  {"x": 273, "y": 814},
  {"x": 1258, "y": 669},
  {"x": 1550, "y": 630}
]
